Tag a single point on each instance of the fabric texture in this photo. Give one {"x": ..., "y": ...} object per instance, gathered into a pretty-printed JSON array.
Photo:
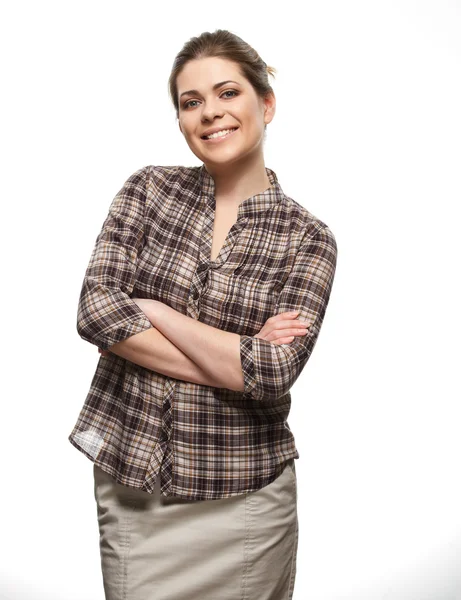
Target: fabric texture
[
  {"x": 203, "y": 442},
  {"x": 158, "y": 548}
]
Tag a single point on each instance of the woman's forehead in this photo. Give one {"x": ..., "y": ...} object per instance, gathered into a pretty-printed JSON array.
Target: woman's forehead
[{"x": 207, "y": 72}]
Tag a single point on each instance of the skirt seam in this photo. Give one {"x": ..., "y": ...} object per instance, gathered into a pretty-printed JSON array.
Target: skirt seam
[
  {"x": 125, "y": 542},
  {"x": 246, "y": 549}
]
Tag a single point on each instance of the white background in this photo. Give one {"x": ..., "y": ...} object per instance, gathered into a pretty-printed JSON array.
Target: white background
[{"x": 367, "y": 137}]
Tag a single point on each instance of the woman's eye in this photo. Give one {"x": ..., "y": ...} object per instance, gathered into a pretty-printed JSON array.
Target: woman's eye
[
  {"x": 188, "y": 103},
  {"x": 230, "y": 92}
]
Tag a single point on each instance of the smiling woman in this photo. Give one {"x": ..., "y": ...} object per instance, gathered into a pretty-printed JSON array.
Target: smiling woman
[
  {"x": 223, "y": 121},
  {"x": 206, "y": 291}
]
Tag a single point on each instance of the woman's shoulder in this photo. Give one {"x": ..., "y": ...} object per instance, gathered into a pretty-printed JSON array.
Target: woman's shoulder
[
  {"x": 307, "y": 221},
  {"x": 164, "y": 175},
  {"x": 168, "y": 171}
]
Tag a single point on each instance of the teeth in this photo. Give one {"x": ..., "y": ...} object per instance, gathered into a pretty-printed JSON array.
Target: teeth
[{"x": 220, "y": 133}]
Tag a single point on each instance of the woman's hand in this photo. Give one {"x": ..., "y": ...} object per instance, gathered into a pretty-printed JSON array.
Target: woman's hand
[{"x": 282, "y": 328}]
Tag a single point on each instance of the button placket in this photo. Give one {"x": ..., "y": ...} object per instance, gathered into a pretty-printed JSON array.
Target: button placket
[{"x": 167, "y": 427}]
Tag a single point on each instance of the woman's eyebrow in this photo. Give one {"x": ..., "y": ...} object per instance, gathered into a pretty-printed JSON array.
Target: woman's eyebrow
[{"x": 215, "y": 87}]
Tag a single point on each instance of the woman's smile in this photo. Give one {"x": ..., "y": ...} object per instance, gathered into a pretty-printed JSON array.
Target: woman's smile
[{"x": 219, "y": 138}]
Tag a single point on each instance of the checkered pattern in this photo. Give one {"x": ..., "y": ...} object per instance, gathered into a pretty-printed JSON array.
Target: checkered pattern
[{"x": 155, "y": 242}]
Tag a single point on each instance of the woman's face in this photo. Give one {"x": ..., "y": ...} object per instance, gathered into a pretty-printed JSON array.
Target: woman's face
[{"x": 232, "y": 105}]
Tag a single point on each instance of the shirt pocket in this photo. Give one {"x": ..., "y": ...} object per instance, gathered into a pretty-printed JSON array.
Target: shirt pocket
[
  {"x": 218, "y": 302},
  {"x": 238, "y": 304},
  {"x": 256, "y": 300}
]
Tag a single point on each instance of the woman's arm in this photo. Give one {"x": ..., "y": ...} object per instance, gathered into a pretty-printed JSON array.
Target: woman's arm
[
  {"x": 201, "y": 350},
  {"x": 152, "y": 350},
  {"x": 250, "y": 364}
]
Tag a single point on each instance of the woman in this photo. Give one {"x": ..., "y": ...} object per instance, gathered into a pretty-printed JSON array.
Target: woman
[{"x": 205, "y": 294}]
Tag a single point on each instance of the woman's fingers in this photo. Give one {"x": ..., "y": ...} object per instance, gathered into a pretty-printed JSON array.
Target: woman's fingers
[
  {"x": 286, "y": 334},
  {"x": 285, "y": 331},
  {"x": 283, "y": 328},
  {"x": 297, "y": 325},
  {"x": 288, "y": 319},
  {"x": 294, "y": 326}
]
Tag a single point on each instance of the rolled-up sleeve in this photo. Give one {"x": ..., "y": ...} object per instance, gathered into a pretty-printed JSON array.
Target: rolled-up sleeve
[
  {"x": 269, "y": 370},
  {"x": 106, "y": 313}
]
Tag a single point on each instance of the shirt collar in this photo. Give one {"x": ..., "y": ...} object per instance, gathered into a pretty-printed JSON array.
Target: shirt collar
[{"x": 250, "y": 207}]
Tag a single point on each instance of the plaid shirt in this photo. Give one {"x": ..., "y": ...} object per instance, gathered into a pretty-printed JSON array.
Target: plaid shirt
[{"x": 203, "y": 442}]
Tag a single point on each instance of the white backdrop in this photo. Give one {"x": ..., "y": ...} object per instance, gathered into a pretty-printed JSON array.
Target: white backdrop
[{"x": 367, "y": 137}]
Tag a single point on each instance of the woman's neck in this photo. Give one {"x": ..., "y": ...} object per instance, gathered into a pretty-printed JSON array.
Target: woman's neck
[{"x": 237, "y": 182}]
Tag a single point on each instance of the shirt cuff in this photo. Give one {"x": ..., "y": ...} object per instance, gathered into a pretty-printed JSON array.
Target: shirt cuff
[
  {"x": 125, "y": 330},
  {"x": 246, "y": 359}
]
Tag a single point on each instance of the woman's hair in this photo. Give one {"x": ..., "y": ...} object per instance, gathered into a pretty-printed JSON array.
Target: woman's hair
[{"x": 222, "y": 44}]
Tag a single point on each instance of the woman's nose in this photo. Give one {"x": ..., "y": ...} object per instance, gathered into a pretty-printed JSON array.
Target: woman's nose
[{"x": 210, "y": 110}]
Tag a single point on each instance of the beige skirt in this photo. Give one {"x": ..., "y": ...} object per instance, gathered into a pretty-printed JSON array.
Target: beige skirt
[{"x": 158, "y": 548}]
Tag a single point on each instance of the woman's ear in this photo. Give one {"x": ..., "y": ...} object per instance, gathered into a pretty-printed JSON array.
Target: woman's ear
[{"x": 269, "y": 107}]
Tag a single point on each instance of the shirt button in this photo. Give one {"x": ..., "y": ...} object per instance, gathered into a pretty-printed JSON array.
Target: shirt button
[
  {"x": 201, "y": 267},
  {"x": 195, "y": 294}
]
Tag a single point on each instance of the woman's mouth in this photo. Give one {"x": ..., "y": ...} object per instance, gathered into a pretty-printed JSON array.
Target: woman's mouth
[{"x": 219, "y": 136}]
